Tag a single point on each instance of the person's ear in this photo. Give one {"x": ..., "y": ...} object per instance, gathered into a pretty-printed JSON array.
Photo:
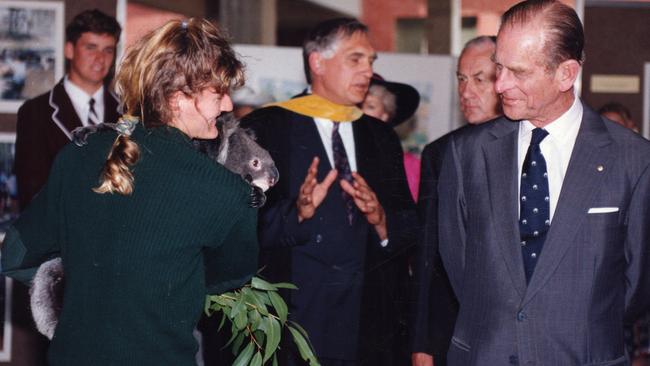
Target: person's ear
[
  {"x": 177, "y": 102},
  {"x": 68, "y": 50},
  {"x": 567, "y": 73},
  {"x": 315, "y": 63}
]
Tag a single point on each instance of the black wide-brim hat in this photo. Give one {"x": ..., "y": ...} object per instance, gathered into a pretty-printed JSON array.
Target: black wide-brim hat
[{"x": 407, "y": 99}]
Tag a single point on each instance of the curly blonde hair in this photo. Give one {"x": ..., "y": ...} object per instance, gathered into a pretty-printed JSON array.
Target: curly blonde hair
[{"x": 187, "y": 56}]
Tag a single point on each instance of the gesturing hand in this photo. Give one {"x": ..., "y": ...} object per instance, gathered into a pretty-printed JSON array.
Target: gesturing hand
[
  {"x": 312, "y": 193},
  {"x": 421, "y": 359},
  {"x": 367, "y": 202}
]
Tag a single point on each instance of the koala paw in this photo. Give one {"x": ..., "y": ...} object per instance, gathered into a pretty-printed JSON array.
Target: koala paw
[
  {"x": 257, "y": 197},
  {"x": 80, "y": 134}
]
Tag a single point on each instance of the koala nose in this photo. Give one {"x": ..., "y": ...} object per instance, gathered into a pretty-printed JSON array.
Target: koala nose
[{"x": 274, "y": 176}]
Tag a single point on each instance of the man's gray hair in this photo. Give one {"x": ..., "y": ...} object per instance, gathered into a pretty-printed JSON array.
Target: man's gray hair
[
  {"x": 325, "y": 36},
  {"x": 563, "y": 34},
  {"x": 479, "y": 41}
]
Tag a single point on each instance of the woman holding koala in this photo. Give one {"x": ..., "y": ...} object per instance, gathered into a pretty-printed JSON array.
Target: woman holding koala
[{"x": 162, "y": 224}]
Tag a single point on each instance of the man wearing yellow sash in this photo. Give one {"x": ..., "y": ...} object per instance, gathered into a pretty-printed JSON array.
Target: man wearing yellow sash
[{"x": 342, "y": 208}]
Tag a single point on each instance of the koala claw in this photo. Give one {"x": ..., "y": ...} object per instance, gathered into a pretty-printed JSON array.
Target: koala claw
[
  {"x": 257, "y": 196},
  {"x": 80, "y": 134}
]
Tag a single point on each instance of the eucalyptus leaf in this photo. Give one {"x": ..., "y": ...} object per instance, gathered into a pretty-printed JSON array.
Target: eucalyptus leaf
[
  {"x": 273, "y": 334},
  {"x": 254, "y": 319},
  {"x": 240, "y": 306},
  {"x": 245, "y": 356},
  {"x": 279, "y": 305},
  {"x": 257, "y": 359},
  {"x": 301, "y": 343},
  {"x": 259, "y": 283},
  {"x": 223, "y": 321},
  {"x": 286, "y": 285},
  {"x": 240, "y": 320},
  {"x": 251, "y": 297},
  {"x": 207, "y": 305}
]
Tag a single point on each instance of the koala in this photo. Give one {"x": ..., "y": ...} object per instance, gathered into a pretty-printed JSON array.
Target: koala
[{"x": 235, "y": 148}]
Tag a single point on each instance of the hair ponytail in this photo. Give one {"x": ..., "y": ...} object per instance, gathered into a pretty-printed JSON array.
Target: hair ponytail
[{"x": 116, "y": 177}]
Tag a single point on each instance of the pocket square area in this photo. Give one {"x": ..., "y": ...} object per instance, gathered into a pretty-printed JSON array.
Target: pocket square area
[{"x": 597, "y": 210}]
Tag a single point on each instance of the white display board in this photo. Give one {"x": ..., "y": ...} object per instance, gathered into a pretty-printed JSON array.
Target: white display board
[{"x": 279, "y": 71}]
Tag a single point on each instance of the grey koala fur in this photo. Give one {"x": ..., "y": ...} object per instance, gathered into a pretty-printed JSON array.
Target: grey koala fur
[{"x": 235, "y": 148}]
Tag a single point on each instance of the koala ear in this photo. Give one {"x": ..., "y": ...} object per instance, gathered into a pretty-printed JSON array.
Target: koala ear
[{"x": 228, "y": 127}]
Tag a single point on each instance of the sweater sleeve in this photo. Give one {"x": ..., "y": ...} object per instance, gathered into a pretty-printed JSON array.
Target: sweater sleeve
[
  {"x": 35, "y": 237},
  {"x": 234, "y": 263}
]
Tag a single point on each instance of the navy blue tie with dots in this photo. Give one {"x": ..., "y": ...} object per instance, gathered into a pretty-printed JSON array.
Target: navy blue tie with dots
[
  {"x": 534, "y": 213},
  {"x": 342, "y": 165}
]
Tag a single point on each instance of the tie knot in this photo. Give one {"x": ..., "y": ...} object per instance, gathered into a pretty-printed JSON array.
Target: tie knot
[
  {"x": 335, "y": 126},
  {"x": 91, "y": 102},
  {"x": 538, "y": 135}
]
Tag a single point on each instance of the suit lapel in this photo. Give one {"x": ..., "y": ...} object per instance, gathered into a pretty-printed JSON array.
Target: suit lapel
[
  {"x": 64, "y": 114},
  {"x": 111, "y": 106},
  {"x": 362, "y": 140},
  {"x": 501, "y": 168},
  {"x": 593, "y": 148},
  {"x": 304, "y": 131}
]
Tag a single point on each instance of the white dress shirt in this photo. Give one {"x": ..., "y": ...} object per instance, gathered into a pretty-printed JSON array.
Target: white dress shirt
[
  {"x": 556, "y": 148},
  {"x": 80, "y": 101},
  {"x": 325, "y": 127}
]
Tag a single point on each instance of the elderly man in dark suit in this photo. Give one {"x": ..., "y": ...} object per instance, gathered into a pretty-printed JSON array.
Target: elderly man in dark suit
[
  {"x": 342, "y": 205},
  {"x": 435, "y": 306},
  {"x": 544, "y": 214},
  {"x": 45, "y": 123}
]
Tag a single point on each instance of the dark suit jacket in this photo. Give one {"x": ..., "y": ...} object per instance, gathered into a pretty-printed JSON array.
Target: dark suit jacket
[
  {"x": 592, "y": 272},
  {"x": 435, "y": 306},
  {"x": 43, "y": 127},
  {"x": 328, "y": 259}
]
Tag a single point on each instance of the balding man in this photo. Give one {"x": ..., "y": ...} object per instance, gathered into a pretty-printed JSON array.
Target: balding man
[
  {"x": 435, "y": 304},
  {"x": 545, "y": 229}
]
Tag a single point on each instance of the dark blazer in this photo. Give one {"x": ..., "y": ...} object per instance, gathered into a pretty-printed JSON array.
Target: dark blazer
[
  {"x": 44, "y": 126},
  {"x": 434, "y": 306},
  {"x": 329, "y": 260},
  {"x": 592, "y": 273}
]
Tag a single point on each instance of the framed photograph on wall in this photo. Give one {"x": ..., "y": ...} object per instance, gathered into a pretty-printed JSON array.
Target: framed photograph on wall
[{"x": 31, "y": 50}]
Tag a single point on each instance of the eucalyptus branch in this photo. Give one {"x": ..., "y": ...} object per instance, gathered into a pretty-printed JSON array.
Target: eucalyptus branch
[{"x": 256, "y": 311}]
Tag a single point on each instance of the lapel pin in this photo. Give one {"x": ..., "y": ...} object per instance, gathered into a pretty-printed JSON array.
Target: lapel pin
[{"x": 600, "y": 168}]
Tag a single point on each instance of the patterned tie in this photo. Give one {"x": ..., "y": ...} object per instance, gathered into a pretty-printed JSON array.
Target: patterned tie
[
  {"x": 534, "y": 215},
  {"x": 342, "y": 165},
  {"x": 93, "y": 118}
]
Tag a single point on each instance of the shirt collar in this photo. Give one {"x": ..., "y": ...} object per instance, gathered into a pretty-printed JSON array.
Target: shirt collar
[
  {"x": 564, "y": 129},
  {"x": 77, "y": 94}
]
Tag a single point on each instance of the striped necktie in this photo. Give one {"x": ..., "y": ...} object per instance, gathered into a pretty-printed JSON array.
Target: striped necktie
[{"x": 93, "y": 118}]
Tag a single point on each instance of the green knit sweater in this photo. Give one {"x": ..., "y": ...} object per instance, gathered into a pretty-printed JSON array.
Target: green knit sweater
[{"x": 137, "y": 267}]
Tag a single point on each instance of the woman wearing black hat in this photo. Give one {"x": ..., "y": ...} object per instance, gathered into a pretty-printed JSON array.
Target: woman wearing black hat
[{"x": 394, "y": 103}]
